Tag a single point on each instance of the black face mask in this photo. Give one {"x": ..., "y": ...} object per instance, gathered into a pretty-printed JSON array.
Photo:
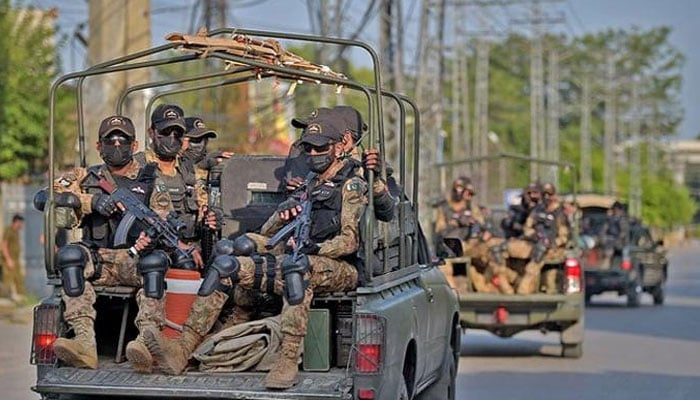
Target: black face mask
[
  {"x": 196, "y": 151},
  {"x": 319, "y": 163},
  {"x": 456, "y": 195},
  {"x": 167, "y": 147},
  {"x": 116, "y": 156}
]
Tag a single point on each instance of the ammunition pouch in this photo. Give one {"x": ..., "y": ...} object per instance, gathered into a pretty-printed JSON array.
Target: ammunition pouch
[
  {"x": 223, "y": 266},
  {"x": 153, "y": 267},
  {"x": 71, "y": 260}
]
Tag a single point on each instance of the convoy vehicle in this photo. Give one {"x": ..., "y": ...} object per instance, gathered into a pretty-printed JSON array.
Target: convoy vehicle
[
  {"x": 396, "y": 336},
  {"x": 631, "y": 268},
  {"x": 505, "y": 315}
]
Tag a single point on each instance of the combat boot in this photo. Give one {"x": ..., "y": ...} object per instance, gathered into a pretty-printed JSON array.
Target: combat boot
[
  {"x": 81, "y": 351},
  {"x": 173, "y": 354},
  {"x": 283, "y": 374},
  {"x": 139, "y": 351}
]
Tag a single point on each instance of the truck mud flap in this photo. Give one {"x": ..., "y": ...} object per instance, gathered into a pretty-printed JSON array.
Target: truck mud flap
[{"x": 242, "y": 385}]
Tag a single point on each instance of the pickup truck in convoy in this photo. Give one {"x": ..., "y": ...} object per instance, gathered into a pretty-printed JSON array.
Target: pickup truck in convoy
[
  {"x": 397, "y": 336},
  {"x": 505, "y": 315},
  {"x": 628, "y": 263}
]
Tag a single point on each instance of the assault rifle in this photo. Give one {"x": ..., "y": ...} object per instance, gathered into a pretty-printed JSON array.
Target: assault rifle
[
  {"x": 295, "y": 265},
  {"x": 301, "y": 226},
  {"x": 211, "y": 236},
  {"x": 163, "y": 232},
  {"x": 545, "y": 235}
]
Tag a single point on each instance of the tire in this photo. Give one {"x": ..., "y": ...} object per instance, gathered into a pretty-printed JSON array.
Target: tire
[
  {"x": 572, "y": 350},
  {"x": 659, "y": 294},
  {"x": 588, "y": 298},
  {"x": 634, "y": 291}
]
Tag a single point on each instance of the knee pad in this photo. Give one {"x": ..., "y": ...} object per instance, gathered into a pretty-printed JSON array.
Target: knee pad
[
  {"x": 293, "y": 270},
  {"x": 223, "y": 247},
  {"x": 244, "y": 246},
  {"x": 152, "y": 267},
  {"x": 71, "y": 260},
  {"x": 223, "y": 266},
  {"x": 182, "y": 260}
]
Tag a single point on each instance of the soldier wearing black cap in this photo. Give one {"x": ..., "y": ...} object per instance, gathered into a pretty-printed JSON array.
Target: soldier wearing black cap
[
  {"x": 354, "y": 128},
  {"x": 94, "y": 260},
  {"x": 615, "y": 233},
  {"x": 189, "y": 196},
  {"x": 338, "y": 197}
]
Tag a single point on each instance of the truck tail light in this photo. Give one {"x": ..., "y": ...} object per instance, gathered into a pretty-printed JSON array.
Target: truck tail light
[
  {"x": 369, "y": 340},
  {"x": 626, "y": 264},
  {"x": 46, "y": 331},
  {"x": 573, "y": 275}
]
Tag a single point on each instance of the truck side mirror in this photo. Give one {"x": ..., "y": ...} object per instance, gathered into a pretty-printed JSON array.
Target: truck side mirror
[{"x": 455, "y": 246}]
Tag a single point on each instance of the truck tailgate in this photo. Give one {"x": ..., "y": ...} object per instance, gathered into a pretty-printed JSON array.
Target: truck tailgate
[{"x": 120, "y": 380}]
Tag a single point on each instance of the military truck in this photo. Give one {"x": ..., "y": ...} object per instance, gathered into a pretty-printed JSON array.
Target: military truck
[
  {"x": 396, "y": 336},
  {"x": 505, "y": 315},
  {"x": 628, "y": 263}
]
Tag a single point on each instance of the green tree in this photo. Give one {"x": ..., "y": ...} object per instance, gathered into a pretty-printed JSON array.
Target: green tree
[{"x": 28, "y": 64}]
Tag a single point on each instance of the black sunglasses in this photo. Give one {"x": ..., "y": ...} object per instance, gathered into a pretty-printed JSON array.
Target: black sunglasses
[
  {"x": 170, "y": 131},
  {"x": 308, "y": 147},
  {"x": 116, "y": 138}
]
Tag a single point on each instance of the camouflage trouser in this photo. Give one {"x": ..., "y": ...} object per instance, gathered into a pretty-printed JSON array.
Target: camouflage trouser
[
  {"x": 531, "y": 280},
  {"x": 117, "y": 269},
  {"x": 325, "y": 275}
]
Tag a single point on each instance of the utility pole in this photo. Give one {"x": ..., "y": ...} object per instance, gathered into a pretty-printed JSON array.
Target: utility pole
[
  {"x": 586, "y": 178},
  {"x": 481, "y": 110},
  {"x": 610, "y": 128},
  {"x": 635, "y": 156},
  {"x": 536, "y": 89},
  {"x": 553, "y": 114},
  {"x": 117, "y": 28}
]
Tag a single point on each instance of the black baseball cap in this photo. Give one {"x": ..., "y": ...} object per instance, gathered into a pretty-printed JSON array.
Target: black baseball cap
[
  {"x": 322, "y": 131},
  {"x": 303, "y": 122},
  {"x": 167, "y": 115},
  {"x": 196, "y": 128},
  {"x": 117, "y": 123},
  {"x": 350, "y": 118}
]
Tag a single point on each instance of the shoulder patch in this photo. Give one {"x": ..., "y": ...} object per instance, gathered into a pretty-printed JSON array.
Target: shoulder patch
[{"x": 161, "y": 187}]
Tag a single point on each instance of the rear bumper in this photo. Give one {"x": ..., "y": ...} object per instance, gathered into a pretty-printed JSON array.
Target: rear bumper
[
  {"x": 122, "y": 382},
  {"x": 605, "y": 281},
  {"x": 522, "y": 312}
]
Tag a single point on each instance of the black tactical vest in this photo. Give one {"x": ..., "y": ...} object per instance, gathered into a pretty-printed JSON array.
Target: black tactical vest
[
  {"x": 99, "y": 230},
  {"x": 327, "y": 201},
  {"x": 183, "y": 196}
]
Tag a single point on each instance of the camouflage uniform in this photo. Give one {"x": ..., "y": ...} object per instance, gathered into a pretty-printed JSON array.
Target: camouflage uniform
[
  {"x": 556, "y": 227},
  {"x": 108, "y": 266},
  {"x": 331, "y": 269}
]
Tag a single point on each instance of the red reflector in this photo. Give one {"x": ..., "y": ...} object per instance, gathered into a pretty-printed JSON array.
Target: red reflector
[
  {"x": 45, "y": 339},
  {"x": 501, "y": 315},
  {"x": 365, "y": 394},
  {"x": 368, "y": 357},
  {"x": 573, "y": 268},
  {"x": 626, "y": 265}
]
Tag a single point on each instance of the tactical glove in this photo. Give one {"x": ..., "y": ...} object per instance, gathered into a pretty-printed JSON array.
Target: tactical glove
[{"x": 103, "y": 204}]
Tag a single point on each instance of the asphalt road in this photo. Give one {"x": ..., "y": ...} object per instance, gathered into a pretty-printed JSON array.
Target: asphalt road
[
  {"x": 652, "y": 352},
  {"x": 637, "y": 354}
]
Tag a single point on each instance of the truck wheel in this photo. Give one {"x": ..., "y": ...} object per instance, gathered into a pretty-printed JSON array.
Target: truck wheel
[
  {"x": 659, "y": 294},
  {"x": 634, "y": 291},
  {"x": 588, "y": 298},
  {"x": 574, "y": 350},
  {"x": 444, "y": 387}
]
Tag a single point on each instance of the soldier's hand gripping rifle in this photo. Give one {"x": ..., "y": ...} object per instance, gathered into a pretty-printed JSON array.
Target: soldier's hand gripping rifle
[
  {"x": 163, "y": 232},
  {"x": 295, "y": 265}
]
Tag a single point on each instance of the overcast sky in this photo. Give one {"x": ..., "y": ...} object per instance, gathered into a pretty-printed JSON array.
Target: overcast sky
[{"x": 581, "y": 16}]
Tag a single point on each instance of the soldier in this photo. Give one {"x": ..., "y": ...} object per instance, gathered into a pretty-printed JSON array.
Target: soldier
[
  {"x": 514, "y": 222},
  {"x": 354, "y": 128},
  {"x": 615, "y": 233},
  {"x": 13, "y": 274},
  {"x": 189, "y": 196},
  {"x": 194, "y": 148},
  {"x": 95, "y": 261},
  {"x": 548, "y": 229},
  {"x": 338, "y": 198}
]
